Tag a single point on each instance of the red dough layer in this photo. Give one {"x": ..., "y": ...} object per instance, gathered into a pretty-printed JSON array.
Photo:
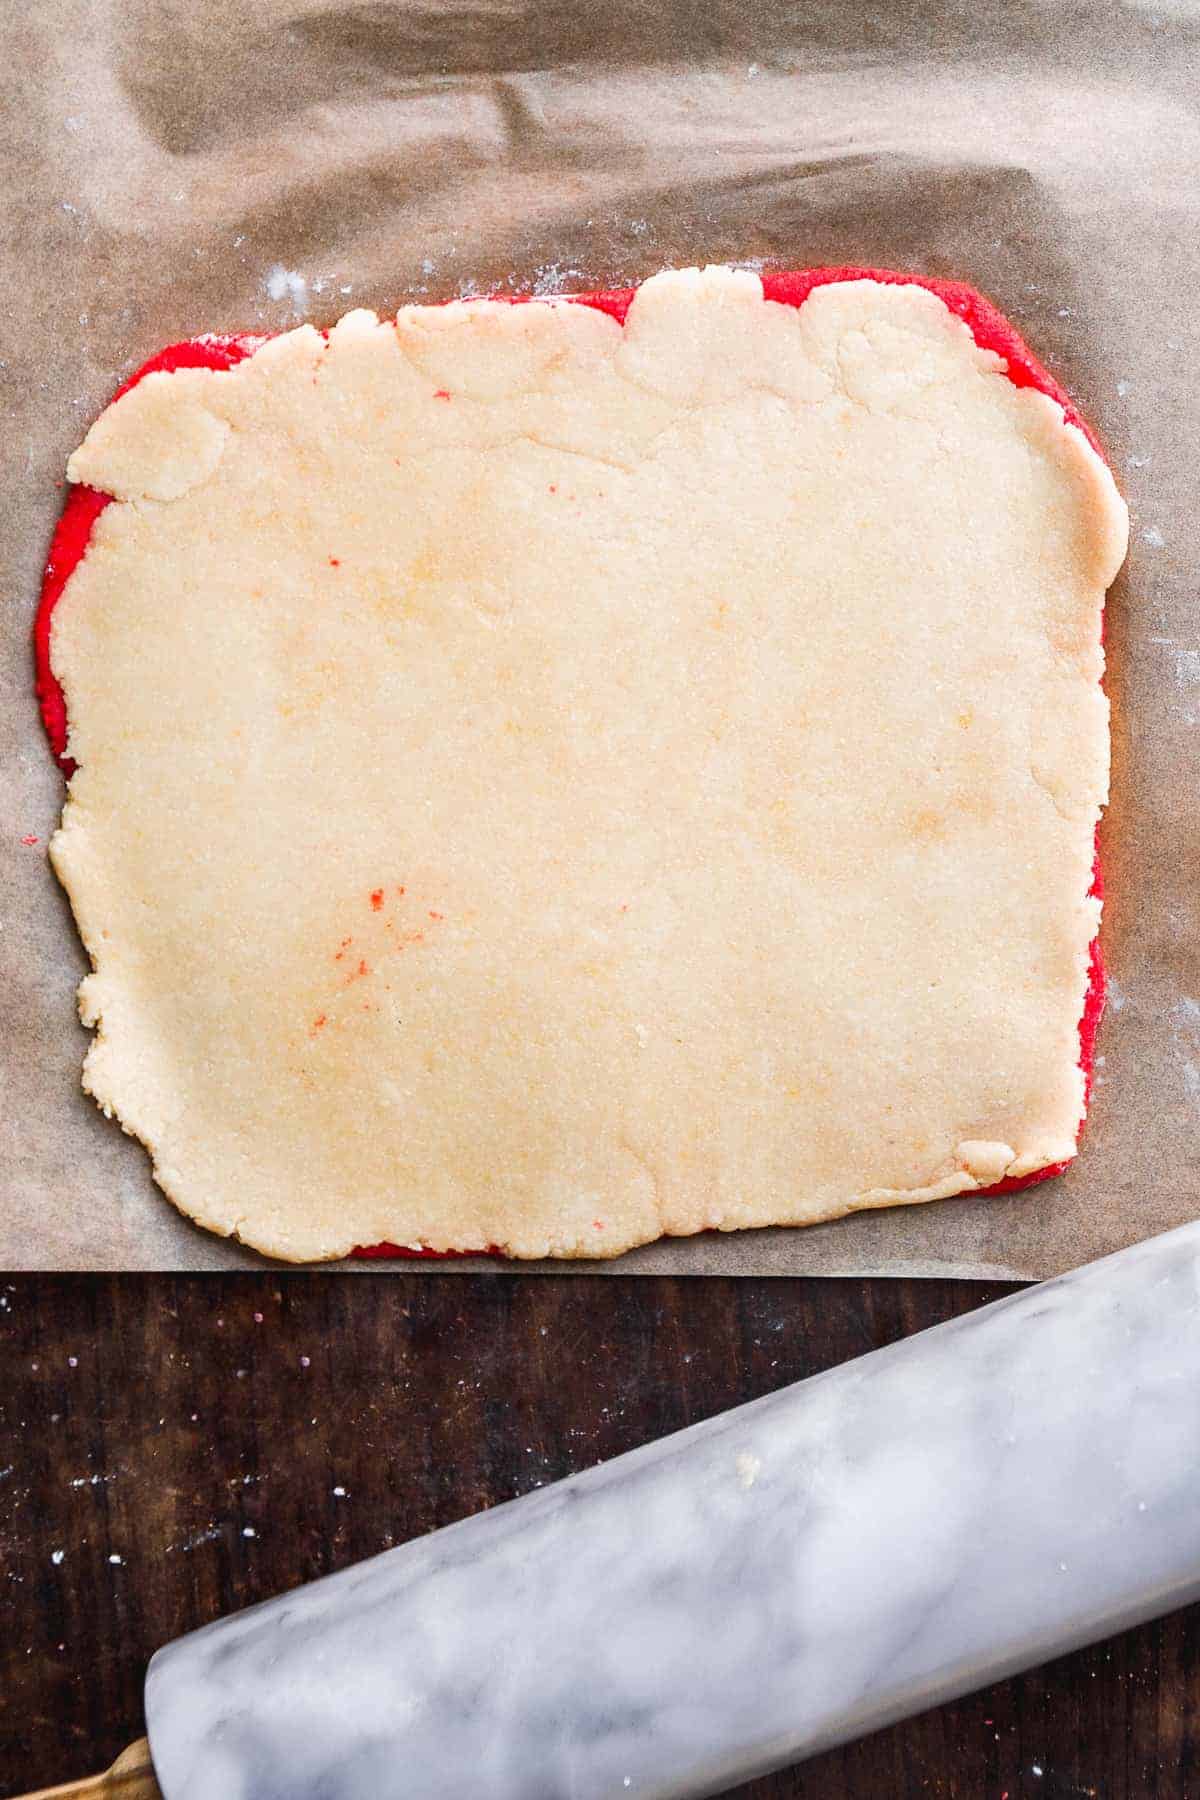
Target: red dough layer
[
  {"x": 83, "y": 507},
  {"x": 991, "y": 331}
]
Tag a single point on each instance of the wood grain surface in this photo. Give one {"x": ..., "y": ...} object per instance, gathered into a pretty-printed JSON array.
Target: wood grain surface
[{"x": 173, "y": 1447}]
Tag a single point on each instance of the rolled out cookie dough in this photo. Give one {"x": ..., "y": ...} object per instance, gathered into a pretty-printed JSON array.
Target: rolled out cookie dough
[{"x": 544, "y": 783}]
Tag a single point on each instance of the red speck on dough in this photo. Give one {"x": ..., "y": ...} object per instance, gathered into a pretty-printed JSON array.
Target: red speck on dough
[
  {"x": 319, "y": 1022},
  {"x": 400, "y": 890},
  {"x": 991, "y": 330},
  {"x": 554, "y": 487},
  {"x": 29, "y": 841},
  {"x": 377, "y": 899},
  {"x": 441, "y": 394},
  {"x": 335, "y": 562},
  {"x": 342, "y": 949},
  {"x": 434, "y": 915}
]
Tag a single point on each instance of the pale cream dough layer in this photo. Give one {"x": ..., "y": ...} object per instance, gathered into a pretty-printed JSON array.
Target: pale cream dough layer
[{"x": 547, "y": 785}]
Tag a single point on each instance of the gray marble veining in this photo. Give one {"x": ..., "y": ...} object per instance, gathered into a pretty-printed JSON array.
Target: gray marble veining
[{"x": 778, "y": 1579}]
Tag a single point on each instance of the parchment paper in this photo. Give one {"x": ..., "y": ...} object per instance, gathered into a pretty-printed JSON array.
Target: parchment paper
[{"x": 183, "y": 166}]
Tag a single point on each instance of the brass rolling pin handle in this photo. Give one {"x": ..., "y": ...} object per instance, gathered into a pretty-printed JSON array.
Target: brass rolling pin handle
[{"x": 130, "y": 1778}]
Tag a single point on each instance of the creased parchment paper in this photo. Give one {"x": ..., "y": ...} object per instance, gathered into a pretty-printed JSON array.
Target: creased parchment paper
[{"x": 179, "y": 168}]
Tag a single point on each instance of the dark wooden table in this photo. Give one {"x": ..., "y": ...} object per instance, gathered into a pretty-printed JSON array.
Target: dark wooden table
[{"x": 173, "y": 1447}]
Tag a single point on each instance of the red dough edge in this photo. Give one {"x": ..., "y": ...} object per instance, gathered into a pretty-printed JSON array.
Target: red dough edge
[{"x": 991, "y": 331}]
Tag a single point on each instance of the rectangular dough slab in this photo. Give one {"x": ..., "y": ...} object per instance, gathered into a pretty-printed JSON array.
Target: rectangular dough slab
[{"x": 546, "y": 783}]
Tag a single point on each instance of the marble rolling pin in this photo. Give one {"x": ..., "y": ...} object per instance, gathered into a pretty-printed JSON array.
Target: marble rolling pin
[{"x": 963, "y": 1504}]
